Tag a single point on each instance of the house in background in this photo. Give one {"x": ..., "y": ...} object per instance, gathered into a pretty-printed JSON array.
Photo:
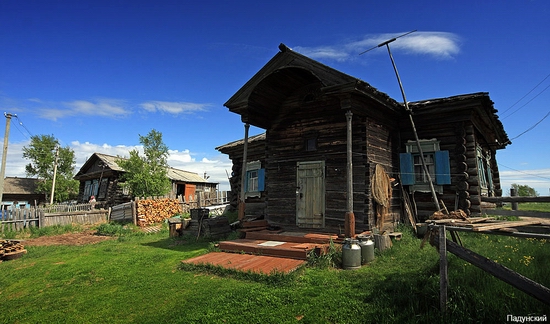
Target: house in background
[
  {"x": 21, "y": 193},
  {"x": 296, "y": 173},
  {"x": 100, "y": 176}
]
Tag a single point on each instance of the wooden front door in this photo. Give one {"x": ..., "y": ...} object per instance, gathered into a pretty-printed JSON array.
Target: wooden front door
[{"x": 310, "y": 194}]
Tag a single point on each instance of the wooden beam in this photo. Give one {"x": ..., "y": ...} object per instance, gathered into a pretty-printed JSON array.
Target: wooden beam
[
  {"x": 499, "y": 271},
  {"x": 486, "y": 227},
  {"x": 443, "y": 274},
  {"x": 515, "y": 199},
  {"x": 505, "y": 233},
  {"x": 518, "y": 213}
]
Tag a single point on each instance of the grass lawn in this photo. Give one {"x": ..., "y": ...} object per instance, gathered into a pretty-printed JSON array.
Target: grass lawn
[{"x": 138, "y": 278}]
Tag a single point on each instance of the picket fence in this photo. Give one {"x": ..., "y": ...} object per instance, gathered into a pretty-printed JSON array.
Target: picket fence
[{"x": 17, "y": 219}]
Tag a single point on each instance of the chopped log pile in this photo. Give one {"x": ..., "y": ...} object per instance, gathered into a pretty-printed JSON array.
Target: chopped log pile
[
  {"x": 10, "y": 250},
  {"x": 152, "y": 211}
]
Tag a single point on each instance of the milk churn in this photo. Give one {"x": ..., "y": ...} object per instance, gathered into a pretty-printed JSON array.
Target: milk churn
[
  {"x": 367, "y": 249},
  {"x": 351, "y": 254}
]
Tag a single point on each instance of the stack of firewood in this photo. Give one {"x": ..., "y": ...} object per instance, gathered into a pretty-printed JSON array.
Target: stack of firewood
[
  {"x": 153, "y": 211},
  {"x": 10, "y": 249}
]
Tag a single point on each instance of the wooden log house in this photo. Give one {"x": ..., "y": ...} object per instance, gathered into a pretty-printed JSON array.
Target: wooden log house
[
  {"x": 100, "y": 176},
  {"x": 329, "y": 137}
]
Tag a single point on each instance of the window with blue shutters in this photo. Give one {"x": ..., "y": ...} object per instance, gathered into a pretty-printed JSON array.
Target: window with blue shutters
[
  {"x": 255, "y": 179},
  {"x": 437, "y": 163}
]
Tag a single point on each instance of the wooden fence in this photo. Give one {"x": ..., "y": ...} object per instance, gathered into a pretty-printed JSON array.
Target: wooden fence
[
  {"x": 515, "y": 200},
  {"x": 20, "y": 218}
]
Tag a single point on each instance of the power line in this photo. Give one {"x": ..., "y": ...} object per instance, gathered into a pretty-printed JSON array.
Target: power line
[
  {"x": 532, "y": 175},
  {"x": 527, "y": 94},
  {"x": 527, "y": 102},
  {"x": 21, "y": 124},
  {"x": 535, "y": 125}
]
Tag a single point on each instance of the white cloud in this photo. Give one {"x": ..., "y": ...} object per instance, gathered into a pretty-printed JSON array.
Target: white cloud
[
  {"x": 173, "y": 107},
  {"x": 440, "y": 45},
  {"x": 179, "y": 157},
  {"x": 103, "y": 107},
  {"x": 537, "y": 179}
]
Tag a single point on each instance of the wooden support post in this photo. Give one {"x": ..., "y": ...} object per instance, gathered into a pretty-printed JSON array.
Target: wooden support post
[
  {"x": 443, "y": 275},
  {"x": 514, "y": 193},
  {"x": 241, "y": 210},
  {"x": 349, "y": 223}
]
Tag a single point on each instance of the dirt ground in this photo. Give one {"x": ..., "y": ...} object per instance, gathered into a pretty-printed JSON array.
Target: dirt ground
[{"x": 86, "y": 237}]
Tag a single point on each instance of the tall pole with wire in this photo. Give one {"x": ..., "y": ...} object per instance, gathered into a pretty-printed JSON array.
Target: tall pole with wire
[
  {"x": 54, "y": 173},
  {"x": 4, "y": 154},
  {"x": 409, "y": 112}
]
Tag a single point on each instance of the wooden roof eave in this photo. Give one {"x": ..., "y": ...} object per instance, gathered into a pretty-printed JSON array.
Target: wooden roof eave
[
  {"x": 486, "y": 122},
  {"x": 362, "y": 89}
]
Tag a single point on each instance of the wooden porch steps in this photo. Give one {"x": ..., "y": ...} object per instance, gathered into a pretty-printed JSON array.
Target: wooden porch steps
[
  {"x": 248, "y": 262},
  {"x": 292, "y": 250},
  {"x": 265, "y": 251}
]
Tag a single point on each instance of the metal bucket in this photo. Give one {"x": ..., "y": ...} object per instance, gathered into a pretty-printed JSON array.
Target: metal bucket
[{"x": 351, "y": 254}]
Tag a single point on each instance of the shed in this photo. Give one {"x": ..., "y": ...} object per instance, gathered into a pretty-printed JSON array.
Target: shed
[{"x": 331, "y": 138}]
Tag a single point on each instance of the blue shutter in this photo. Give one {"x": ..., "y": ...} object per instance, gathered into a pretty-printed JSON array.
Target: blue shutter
[
  {"x": 442, "y": 168},
  {"x": 261, "y": 179},
  {"x": 406, "y": 166}
]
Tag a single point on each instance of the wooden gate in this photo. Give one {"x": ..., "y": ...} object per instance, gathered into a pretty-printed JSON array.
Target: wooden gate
[{"x": 310, "y": 194}]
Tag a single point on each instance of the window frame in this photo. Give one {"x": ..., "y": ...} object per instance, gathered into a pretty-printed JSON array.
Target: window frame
[
  {"x": 438, "y": 166},
  {"x": 255, "y": 179}
]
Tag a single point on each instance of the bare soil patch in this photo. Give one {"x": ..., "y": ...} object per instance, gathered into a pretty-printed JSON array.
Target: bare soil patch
[{"x": 86, "y": 237}]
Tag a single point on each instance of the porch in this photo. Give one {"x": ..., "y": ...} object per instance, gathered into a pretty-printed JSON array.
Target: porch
[{"x": 267, "y": 251}]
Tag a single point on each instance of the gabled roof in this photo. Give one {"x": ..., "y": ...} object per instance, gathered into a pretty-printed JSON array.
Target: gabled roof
[
  {"x": 15, "y": 185},
  {"x": 260, "y": 98},
  {"x": 110, "y": 163}
]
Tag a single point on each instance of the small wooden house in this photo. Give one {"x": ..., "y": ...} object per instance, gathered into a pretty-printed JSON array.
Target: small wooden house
[
  {"x": 334, "y": 145},
  {"x": 100, "y": 176},
  {"x": 21, "y": 193}
]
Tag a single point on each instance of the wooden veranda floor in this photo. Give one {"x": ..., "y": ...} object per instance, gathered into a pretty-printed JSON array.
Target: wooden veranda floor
[
  {"x": 264, "y": 251},
  {"x": 248, "y": 262}
]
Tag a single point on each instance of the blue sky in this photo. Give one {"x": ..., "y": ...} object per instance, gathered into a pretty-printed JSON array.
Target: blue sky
[{"x": 95, "y": 74}]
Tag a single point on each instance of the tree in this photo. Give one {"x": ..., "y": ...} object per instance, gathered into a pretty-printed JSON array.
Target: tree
[
  {"x": 524, "y": 190},
  {"x": 42, "y": 154},
  {"x": 147, "y": 175}
]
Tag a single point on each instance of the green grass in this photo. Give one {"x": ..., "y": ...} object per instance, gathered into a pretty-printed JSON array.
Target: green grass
[
  {"x": 540, "y": 207},
  {"x": 140, "y": 279}
]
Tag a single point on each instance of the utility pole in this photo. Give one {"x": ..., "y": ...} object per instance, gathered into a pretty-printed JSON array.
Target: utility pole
[
  {"x": 4, "y": 155},
  {"x": 54, "y": 173}
]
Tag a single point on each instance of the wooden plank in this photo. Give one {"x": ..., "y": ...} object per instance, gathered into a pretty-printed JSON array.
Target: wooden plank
[
  {"x": 285, "y": 249},
  {"x": 499, "y": 271},
  {"x": 486, "y": 227},
  {"x": 247, "y": 262},
  {"x": 515, "y": 199},
  {"x": 443, "y": 274},
  {"x": 518, "y": 213}
]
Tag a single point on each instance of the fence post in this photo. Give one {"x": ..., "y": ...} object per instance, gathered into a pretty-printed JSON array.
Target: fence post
[
  {"x": 513, "y": 193},
  {"x": 41, "y": 218},
  {"x": 443, "y": 274}
]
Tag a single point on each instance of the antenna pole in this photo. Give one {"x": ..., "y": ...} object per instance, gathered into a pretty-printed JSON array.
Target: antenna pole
[
  {"x": 55, "y": 174},
  {"x": 409, "y": 112}
]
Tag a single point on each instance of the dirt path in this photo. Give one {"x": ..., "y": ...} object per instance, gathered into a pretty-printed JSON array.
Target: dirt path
[{"x": 86, "y": 237}]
